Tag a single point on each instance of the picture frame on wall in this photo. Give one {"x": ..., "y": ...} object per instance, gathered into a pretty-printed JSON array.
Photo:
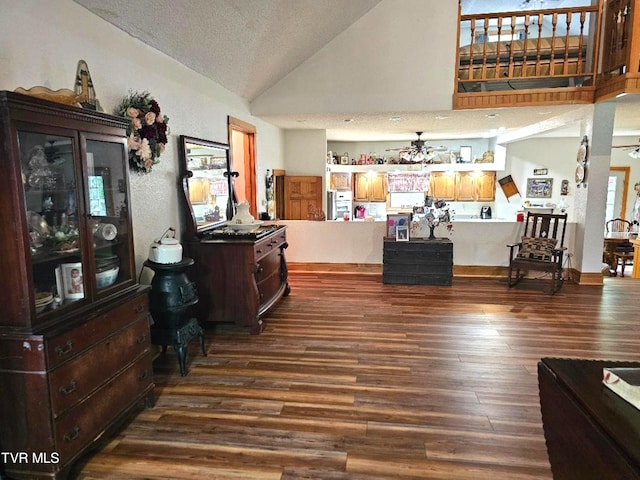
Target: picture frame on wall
[
  {"x": 539, "y": 187},
  {"x": 394, "y": 220}
]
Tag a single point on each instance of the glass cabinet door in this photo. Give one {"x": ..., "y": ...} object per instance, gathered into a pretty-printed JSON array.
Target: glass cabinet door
[
  {"x": 108, "y": 213},
  {"x": 49, "y": 179}
]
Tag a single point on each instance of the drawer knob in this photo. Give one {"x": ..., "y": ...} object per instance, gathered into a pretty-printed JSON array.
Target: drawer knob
[
  {"x": 141, "y": 339},
  {"x": 64, "y": 349},
  {"x": 66, "y": 390},
  {"x": 259, "y": 250},
  {"x": 144, "y": 374},
  {"x": 68, "y": 437},
  {"x": 139, "y": 308}
]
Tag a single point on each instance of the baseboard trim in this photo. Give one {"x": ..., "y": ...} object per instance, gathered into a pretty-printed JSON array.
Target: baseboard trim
[
  {"x": 460, "y": 271},
  {"x": 376, "y": 269}
]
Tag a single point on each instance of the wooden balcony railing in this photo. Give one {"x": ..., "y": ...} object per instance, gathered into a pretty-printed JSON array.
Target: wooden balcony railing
[
  {"x": 620, "y": 72},
  {"x": 527, "y": 57}
]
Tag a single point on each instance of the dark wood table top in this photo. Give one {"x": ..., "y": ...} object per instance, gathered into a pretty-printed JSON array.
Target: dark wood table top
[{"x": 615, "y": 416}]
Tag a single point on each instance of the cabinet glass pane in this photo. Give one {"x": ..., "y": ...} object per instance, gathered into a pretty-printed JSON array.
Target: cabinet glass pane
[
  {"x": 108, "y": 205},
  {"x": 51, "y": 200}
]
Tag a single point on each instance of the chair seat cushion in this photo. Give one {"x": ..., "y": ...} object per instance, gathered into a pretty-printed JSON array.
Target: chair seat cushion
[{"x": 537, "y": 248}]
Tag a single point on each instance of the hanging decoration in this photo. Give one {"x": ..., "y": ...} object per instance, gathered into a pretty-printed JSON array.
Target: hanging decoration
[{"x": 147, "y": 131}]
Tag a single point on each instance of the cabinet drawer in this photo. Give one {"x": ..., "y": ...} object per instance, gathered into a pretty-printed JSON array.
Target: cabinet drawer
[
  {"x": 268, "y": 266},
  {"x": 77, "y": 378},
  {"x": 267, "y": 245},
  {"x": 71, "y": 343},
  {"x": 80, "y": 425}
]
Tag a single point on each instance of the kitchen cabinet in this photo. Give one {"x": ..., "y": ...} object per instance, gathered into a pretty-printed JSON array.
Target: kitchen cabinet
[
  {"x": 74, "y": 323},
  {"x": 370, "y": 188},
  {"x": 463, "y": 186},
  {"x": 340, "y": 181},
  {"x": 442, "y": 185},
  {"x": 485, "y": 186},
  {"x": 239, "y": 276}
]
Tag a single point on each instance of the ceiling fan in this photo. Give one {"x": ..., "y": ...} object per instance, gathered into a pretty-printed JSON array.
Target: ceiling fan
[
  {"x": 635, "y": 149},
  {"x": 418, "y": 151}
]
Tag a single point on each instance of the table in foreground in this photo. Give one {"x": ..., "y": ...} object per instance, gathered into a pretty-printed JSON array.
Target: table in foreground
[{"x": 591, "y": 432}]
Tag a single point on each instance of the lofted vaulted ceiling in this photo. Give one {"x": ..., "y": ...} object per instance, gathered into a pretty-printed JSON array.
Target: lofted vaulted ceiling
[{"x": 248, "y": 46}]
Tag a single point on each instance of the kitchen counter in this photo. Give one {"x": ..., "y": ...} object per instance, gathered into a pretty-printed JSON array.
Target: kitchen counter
[{"x": 476, "y": 242}]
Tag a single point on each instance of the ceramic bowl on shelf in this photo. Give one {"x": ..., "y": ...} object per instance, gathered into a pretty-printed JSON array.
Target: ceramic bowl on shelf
[{"x": 107, "y": 278}]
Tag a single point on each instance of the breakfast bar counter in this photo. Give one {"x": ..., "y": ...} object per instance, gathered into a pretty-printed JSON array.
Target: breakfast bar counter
[{"x": 476, "y": 242}]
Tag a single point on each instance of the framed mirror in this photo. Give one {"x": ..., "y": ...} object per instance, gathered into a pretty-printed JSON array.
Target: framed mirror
[{"x": 205, "y": 183}]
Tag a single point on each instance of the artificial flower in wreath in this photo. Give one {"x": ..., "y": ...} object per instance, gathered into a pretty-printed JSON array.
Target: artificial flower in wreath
[{"x": 147, "y": 131}]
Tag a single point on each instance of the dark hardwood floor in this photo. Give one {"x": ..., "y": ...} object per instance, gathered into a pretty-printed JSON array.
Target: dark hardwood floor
[{"x": 353, "y": 379}]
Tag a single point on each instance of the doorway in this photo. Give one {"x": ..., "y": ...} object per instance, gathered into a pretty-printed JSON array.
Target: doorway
[
  {"x": 617, "y": 190},
  {"x": 242, "y": 153}
]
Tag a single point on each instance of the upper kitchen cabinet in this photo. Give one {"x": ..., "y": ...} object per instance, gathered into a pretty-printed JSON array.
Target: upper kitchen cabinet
[
  {"x": 475, "y": 186},
  {"x": 485, "y": 186},
  {"x": 370, "y": 187},
  {"x": 442, "y": 185},
  {"x": 340, "y": 181}
]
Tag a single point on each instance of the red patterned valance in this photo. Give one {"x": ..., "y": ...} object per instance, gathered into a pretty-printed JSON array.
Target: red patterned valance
[{"x": 408, "y": 182}]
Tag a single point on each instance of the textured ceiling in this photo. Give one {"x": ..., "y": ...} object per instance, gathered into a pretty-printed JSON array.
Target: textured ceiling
[{"x": 247, "y": 46}]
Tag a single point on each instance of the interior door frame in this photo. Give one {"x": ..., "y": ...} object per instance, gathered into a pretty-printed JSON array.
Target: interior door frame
[
  {"x": 248, "y": 132},
  {"x": 625, "y": 189}
]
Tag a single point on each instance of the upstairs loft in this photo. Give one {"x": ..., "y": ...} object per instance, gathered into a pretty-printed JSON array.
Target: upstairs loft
[{"x": 551, "y": 56}]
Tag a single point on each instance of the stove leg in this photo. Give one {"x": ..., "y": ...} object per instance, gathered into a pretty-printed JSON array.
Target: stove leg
[{"x": 181, "y": 351}]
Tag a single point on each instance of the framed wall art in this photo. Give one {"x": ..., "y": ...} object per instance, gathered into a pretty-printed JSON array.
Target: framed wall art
[
  {"x": 539, "y": 187},
  {"x": 394, "y": 220}
]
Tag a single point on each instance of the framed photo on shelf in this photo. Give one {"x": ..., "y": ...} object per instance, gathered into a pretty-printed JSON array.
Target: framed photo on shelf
[
  {"x": 394, "y": 220},
  {"x": 71, "y": 283},
  {"x": 402, "y": 233},
  {"x": 465, "y": 154},
  {"x": 539, "y": 187}
]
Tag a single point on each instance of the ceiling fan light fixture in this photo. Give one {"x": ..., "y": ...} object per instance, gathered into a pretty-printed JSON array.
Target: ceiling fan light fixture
[{"x": 635, "y": 154}]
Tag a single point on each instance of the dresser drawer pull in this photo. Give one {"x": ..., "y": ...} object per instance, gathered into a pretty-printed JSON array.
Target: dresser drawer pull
[
  {"x": 144, "y": 374},
  {"x": 63, "y": 350},
  {"x": 139, "y": 308},
  {"x": 141, "y": 339},
  {"x": 69, "y": 388},
  {"x": 69, "y": 437},
  {"x": 259, "y": 250}
]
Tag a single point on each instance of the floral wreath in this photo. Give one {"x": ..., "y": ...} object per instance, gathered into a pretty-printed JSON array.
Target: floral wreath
[{"x": 147, "y": 131}]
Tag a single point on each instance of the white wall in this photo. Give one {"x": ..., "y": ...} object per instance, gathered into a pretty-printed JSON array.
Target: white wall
[
  {"x": 353, "y": 72},
  {"x": 41, "y": 43}
]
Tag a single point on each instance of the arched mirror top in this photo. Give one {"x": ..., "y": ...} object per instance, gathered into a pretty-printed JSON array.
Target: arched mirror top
[{"x": 205, "y": 182}]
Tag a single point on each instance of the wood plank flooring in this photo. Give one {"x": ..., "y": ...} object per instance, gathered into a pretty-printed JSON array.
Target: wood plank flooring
[{"x": 353, "y": 379}]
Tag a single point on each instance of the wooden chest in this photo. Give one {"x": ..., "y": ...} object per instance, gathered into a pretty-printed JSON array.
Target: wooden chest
[{"x": 418, "y": 262}]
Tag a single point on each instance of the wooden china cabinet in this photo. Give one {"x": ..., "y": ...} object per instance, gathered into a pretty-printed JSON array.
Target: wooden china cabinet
[{"x": 74, "y": 325}]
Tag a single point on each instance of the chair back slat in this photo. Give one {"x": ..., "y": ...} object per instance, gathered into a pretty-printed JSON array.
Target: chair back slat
[{"x": 546, "y": 225}]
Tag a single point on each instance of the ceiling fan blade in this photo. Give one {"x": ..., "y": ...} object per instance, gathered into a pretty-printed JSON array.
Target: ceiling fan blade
[{"x": 626, "y": 146}]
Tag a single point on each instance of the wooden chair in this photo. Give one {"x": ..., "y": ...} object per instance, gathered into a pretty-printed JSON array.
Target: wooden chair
[
  {"x": 622, "y": 253},
  {"x": 541, "y": 249}
]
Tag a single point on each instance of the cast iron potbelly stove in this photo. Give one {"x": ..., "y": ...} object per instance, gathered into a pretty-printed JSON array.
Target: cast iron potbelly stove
[{"x": 170, "y": 300}]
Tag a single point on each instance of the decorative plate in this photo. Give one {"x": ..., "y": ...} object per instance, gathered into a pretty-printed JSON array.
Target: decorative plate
[
  {"x": 582, "y": 154},
  {"x": 579, "y": 174}
]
